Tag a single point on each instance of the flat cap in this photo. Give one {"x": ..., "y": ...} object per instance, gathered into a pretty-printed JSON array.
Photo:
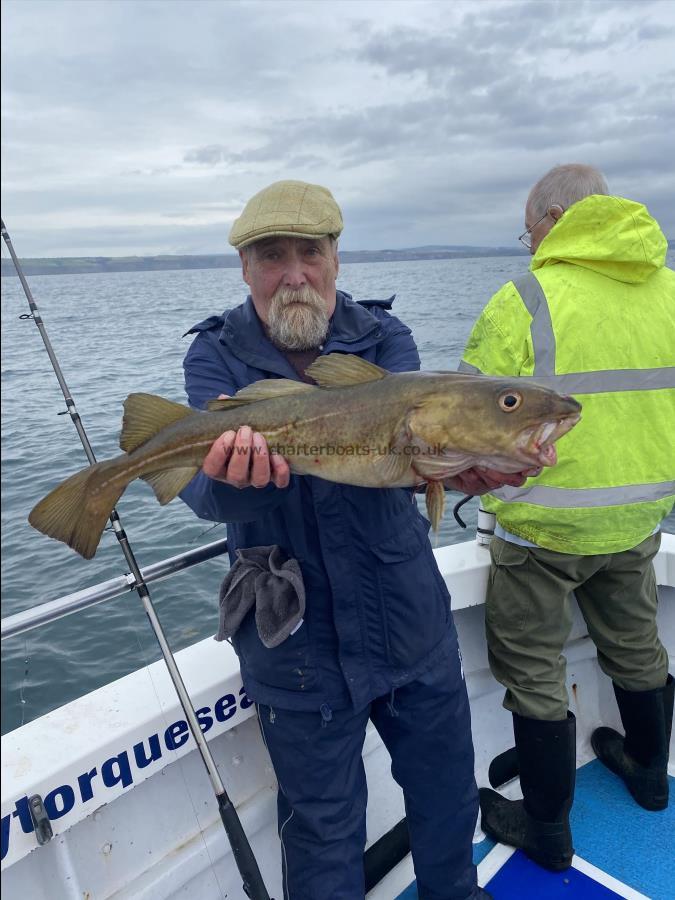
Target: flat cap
[{"x": 288, "y": 209}]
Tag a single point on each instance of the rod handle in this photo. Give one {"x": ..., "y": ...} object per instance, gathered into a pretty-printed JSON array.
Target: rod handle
[{"x": 253, "y": 884}]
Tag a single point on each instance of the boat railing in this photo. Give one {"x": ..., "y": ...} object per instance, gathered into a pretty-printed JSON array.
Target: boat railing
[
  {"x": 43, "y": 613},
  {"x": 465, "y": 590}
]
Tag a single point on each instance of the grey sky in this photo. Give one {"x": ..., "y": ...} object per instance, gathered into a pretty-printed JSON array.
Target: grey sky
[{"x": 142, "y": 126}]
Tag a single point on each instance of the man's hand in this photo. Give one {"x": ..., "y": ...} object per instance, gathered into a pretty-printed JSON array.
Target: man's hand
[
  {"x": 242, "y": 459},
  {"x": 479, "y": 480}
]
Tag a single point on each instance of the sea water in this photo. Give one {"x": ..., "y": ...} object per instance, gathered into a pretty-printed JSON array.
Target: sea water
[{"x": 113, "y": 334}]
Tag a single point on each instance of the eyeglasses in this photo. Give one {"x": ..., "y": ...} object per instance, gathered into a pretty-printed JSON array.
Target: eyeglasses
[{"x": 526, "y": 237}]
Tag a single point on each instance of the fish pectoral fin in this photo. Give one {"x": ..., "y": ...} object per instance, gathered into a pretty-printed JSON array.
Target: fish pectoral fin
[
  {"x": 266, "y": 389},
  {"x": 168, "y": 483},
  {"x": 145, "y": 415},
  {"x": 391, "y": 467},
  {"x": 435, "y": 500},
  {"x": 343, "y": 370}
]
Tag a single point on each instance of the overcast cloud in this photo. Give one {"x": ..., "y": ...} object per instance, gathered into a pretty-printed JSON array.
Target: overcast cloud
[{"x": 143, "y": 126}]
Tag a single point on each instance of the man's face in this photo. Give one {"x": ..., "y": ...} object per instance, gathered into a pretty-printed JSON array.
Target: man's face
[
  {"x": 539, "y": 227},
  {"x": 292, "y": 282}
]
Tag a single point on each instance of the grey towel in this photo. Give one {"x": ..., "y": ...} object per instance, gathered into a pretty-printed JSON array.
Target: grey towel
[{"x": 262, "y": 576}]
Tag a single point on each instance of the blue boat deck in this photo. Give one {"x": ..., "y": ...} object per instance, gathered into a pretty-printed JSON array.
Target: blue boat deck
[{"x": 621, "y": 850}]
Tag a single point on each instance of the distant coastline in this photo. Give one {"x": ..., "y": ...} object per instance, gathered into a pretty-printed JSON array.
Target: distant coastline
[{"x": 82, "y": 265}]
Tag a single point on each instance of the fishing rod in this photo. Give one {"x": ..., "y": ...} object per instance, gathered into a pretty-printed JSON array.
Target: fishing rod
[{"x": 253, "y": 884}]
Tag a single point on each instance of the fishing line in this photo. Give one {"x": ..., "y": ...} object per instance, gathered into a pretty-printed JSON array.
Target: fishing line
[
  {"x": 206, "y": 531},
  {"x": 22, "y": 699},
  {"x": 247, "y": 865}
]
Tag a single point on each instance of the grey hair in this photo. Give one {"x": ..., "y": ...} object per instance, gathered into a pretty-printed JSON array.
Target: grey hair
[{"x": 563, "y": 186}]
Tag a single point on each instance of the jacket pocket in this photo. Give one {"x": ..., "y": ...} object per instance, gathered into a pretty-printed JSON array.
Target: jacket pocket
[
  {"x": 414, "y": 602},
  {"x": 287, "y": 666}
]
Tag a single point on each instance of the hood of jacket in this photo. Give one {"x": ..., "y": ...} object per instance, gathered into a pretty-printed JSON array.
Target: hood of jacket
[{"x": 609, "y": 235}]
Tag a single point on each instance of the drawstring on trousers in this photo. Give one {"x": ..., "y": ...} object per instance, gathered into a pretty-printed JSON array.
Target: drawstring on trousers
[{"x": 393, "y": 712}]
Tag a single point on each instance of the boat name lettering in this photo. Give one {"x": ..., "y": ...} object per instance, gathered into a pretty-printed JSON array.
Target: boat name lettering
[{"x": 119, "y": 769}]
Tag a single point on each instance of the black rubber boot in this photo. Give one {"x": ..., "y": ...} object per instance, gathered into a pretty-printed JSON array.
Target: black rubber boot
[
  {"x": 539, "y": 823},
  {"x": 641, "y": 758}
]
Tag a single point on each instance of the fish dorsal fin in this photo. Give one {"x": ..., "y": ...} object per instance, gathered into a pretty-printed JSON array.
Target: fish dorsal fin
[
  {"x": 145, "y": 415},
  {"x": 343, "y": 370},
  {"x": 267, "y": 389},
  {"x": 225, "y": 403}
]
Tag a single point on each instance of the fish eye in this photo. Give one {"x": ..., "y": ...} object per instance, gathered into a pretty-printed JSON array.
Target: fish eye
[{"x": 510, "y": 401}]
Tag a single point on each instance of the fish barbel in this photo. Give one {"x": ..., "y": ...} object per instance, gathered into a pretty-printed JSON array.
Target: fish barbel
[{"x": 359, "y": 425}]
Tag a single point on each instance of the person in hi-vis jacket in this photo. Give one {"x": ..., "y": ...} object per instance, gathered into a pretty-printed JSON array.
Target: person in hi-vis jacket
[{"x": 595, "y": 318}]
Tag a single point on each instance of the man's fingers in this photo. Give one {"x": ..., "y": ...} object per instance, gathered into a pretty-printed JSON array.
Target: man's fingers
[
  {"x": 215, "y": 461},
  {"x": 281, "y": 471},
  {"x": 477, "y": 484},
  {"x": 260, "y": 461},
  {"x": 243, "y": 459},
  {"x": 465, "y": 483},
  {"x": 479, "y": 480},
  {"x": 240, "y": 461},
  {"x": 496, "y": 479}
]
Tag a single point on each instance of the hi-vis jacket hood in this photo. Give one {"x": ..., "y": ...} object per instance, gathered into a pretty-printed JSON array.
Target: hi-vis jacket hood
[{"x": 609, "y": 235}]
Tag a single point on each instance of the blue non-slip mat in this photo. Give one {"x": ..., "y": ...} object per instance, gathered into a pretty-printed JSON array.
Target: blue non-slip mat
[
  {"x": 480, "y": 851},
  {"x": 615, "y": 834},
  {"x": 612, "y": 833},
  {"x": 519, "y": 877}
]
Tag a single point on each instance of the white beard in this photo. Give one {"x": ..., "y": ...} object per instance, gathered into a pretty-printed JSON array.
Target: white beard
[{"x": 297, "y": 320}]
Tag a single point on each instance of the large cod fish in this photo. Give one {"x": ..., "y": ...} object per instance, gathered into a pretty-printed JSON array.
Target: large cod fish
[{"x": 360, "y": 425}]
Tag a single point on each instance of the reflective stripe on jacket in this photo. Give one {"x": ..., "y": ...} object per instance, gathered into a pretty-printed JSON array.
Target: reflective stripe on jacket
[{"x": 597, "y": 320}]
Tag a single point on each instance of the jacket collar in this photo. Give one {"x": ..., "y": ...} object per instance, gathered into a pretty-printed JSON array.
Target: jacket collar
[{"x": 352, "y": 329}]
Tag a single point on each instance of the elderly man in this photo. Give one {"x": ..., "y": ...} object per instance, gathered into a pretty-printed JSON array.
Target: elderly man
[
  {"x": 595, "y": 317},
  {"x": 377, "y": 640}
]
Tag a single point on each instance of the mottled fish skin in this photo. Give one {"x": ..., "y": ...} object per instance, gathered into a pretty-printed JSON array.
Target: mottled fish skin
[{"x": 360, "y": 425}]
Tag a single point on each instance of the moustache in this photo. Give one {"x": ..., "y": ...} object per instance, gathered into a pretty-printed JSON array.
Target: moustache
[{"x": 305, "y": 296}]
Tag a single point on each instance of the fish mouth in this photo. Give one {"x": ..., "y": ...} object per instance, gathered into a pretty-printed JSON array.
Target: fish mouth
[{"x": 541, "y": 446}]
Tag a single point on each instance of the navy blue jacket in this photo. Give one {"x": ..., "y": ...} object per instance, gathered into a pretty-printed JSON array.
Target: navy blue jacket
[{"x": 378, "y": 611}]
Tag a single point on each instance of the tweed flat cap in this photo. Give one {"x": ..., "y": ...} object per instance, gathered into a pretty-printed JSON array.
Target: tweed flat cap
[{"x": 288, "y": 209}]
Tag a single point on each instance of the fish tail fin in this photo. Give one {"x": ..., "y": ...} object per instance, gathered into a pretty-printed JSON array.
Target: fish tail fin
[
  {"x": 77, "y": 510},
  {"x": 435, "y": 500}
]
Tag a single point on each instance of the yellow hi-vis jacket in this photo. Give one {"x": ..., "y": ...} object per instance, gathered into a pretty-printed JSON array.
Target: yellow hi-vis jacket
[{"x": 595, "y": 318}]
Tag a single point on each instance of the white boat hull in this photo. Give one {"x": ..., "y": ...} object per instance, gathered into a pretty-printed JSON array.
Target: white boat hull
[{"x": 125, "y": 830}]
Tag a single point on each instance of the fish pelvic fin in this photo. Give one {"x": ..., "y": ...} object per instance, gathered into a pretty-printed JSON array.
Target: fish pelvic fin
[
  {"x": 435, "y": 501},
  {"x": 76, "y": 512},
  {"x": 343, "y": 370},
  {"x": 145, "y": 415},
  {"x": 170, "y": 482},
  {"x": 266, "y": 389}
]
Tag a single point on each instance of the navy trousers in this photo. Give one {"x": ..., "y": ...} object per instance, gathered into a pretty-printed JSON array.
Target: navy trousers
[{"x": 426, "y": 728}]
